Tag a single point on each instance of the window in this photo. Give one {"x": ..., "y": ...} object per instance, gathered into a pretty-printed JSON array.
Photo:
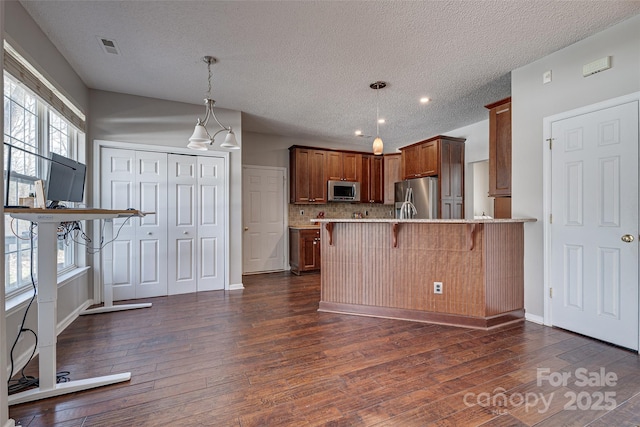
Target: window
[{"x": 31, "y": 125}]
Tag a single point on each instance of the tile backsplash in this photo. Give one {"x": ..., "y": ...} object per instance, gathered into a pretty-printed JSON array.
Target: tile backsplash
[{"x": 337, "y": 210}]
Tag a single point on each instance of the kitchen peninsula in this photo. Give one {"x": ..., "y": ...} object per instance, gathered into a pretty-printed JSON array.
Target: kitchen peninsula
[{"x": 390, "y": 268}]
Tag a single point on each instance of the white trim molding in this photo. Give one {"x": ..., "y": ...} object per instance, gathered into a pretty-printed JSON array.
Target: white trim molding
[
  {"x": 546, "y": 163},
  {"x": 98, "y": 144}
]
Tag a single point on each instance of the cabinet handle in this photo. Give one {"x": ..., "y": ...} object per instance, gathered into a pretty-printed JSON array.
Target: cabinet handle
[{"x": 315, "y": 243}]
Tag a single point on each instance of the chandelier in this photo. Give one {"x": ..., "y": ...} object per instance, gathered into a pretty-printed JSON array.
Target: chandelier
[{"x": 201, "y": 136}]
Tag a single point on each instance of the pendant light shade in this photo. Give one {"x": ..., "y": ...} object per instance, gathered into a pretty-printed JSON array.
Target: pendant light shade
[
  {"x": 378, "y": 146},
  {"x": 201, "y": 137},
  {"x": 230, "y": 141},
  {"x": 200, "y": 134}
]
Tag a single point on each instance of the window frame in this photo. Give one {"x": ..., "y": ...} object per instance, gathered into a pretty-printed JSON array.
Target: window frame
[{"x": 42, "y": 145}]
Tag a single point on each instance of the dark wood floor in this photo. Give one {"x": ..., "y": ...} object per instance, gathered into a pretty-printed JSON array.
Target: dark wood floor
[{"x": 265, "y": 357}]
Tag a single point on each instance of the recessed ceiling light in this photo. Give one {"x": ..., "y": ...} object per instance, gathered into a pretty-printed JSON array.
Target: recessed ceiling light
[
  {"x": 380, "y": 121},
  {"x": 358, "y": 132},
  {"x": 424, "y": 100}
]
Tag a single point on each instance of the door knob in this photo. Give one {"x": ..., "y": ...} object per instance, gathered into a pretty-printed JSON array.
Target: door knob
[
  {"x": 149, "y": 233},
  {"x": 185, "y": 232},
  {"x": 627, "y": 238},
  {"x": 246, "y": 229}
]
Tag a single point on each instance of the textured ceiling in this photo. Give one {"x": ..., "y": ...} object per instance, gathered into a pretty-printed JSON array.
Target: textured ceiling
[{"x": 303, "y": 68}]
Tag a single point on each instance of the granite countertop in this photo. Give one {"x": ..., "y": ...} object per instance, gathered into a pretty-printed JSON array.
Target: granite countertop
[
  {"x": 428, "y": 221},
  {"x": 305, "y": 227}
]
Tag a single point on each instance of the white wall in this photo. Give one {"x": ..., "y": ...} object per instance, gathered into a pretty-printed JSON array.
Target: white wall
[
  {"x": 273, "y": 150},
  {"x": 482, "y": 203},
  {"x": 476, "y": 148},
  {"x": 27, "y": 38},
  {"x": 4, "y": 410},
  {"x": 139, "y": 120},
  {"x": 532, "y": 101}
]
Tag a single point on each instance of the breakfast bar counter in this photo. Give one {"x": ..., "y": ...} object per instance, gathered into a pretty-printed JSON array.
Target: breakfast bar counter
[{"x": 392, "y": 268}]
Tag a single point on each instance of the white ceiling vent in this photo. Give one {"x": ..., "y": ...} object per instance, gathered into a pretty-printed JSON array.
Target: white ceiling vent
[{"x": 108, "y": 45}]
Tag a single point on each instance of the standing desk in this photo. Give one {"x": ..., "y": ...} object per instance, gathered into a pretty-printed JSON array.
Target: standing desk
[{"x": 48, "y": 221}]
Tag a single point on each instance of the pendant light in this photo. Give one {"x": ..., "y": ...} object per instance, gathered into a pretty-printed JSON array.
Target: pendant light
[
  {"x": 377, "y": 143},
  {"x": 201, "y": 136}
]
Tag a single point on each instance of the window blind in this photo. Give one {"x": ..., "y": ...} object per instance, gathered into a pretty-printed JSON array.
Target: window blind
[{"x": 19, "y": 68}]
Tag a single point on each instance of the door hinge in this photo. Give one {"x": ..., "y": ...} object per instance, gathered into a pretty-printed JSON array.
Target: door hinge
[
  {"x": 550, "y": 292},
  {"x": 550, "y": 142},
  {"x": 550, "y": 218}
]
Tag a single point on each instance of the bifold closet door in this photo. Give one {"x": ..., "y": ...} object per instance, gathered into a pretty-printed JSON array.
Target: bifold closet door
[
  {"x": 136, "y": 179},
  {"x": 182, "y": 213},
  {"x": 196, "y": 223}
]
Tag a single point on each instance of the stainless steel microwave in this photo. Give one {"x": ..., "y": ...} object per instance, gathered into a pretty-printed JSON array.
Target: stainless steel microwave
[{"x": 343, "y": 191}]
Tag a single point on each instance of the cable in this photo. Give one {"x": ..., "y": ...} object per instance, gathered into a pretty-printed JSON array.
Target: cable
[{"x": 102, "y": 244}]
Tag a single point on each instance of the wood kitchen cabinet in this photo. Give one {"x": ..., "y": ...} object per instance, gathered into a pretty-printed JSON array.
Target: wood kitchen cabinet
[
  {"x": 392, "y": 174},
  {"x": 343, "y": 166},
  {"x": 440, "y": 156},
  {"x": 420, "y": 160},
  {"x": 304, "y": 249},
  {"x": 372, "y": 180},
  {"x": 500, "y": 148},
  {"x": 308, "y": 183}
]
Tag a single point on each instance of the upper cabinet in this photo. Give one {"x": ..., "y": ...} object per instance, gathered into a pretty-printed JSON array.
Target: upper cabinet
[
  {"x": 392, "y": 174},
  {"x": 372, "y": 182},
  {"x": 307, "y": 175},
  {"x": 500, "y": 148},
  {"x": 440, "y": 156},
  {"x": 342, "y": 166},
  {"x": 420, "y": 160}
]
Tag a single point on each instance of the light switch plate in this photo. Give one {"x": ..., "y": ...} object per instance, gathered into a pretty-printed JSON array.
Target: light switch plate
[{"x": 546, "y": 77}]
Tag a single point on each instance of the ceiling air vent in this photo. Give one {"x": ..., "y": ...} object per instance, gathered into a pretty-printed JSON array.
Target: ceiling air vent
[{"x": 108, "y": 45}]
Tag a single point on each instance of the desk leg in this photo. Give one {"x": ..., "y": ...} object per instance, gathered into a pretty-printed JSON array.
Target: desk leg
[
  {"x": 47, "y": 322},
  {"x": 107, "y": 278}
]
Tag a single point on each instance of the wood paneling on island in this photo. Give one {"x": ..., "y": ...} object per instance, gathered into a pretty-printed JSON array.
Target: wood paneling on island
[{"x": 480, "y": 264}]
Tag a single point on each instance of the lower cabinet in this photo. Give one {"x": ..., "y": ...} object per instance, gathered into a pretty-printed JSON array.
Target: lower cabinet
[{"x": 304, "y": 249}]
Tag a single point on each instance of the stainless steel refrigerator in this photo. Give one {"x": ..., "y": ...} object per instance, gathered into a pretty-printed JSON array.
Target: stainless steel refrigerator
[{"x": 417, "y": 198}]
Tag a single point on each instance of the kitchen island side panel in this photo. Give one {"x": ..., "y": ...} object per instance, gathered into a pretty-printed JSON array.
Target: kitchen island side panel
[
  {"x": 504, "y": 271},
  {"x": 362, "y": 267}
]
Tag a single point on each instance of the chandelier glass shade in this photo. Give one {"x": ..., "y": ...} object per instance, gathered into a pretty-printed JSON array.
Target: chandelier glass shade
[{"x": 201, "y": 137}]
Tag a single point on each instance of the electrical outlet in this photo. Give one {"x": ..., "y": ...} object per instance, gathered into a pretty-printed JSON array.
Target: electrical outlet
[
  {"x": 437, "y": 287},
  {"x": 366, "y": 213},
  {"x": 301, "y": 212}
]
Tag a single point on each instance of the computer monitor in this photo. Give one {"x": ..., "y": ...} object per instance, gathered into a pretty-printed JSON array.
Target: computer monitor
[{"x": 65, "y": 182}]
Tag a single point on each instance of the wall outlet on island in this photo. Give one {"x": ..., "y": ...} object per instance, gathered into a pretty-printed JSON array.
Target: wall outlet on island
[
  {"x": 301, "y": 212},
  {"x": 437, "y": 287}
]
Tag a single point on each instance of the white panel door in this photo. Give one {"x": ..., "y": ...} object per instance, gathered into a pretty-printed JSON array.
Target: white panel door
[
  {"x": 182, "y": 207},
  {"x": 263, "y": 217},
  {"x": 131, "y": 179},
  {"x": 594, "y": 272},
  {"x": 118, "y": 191},
  {"x": 210, "y": 247},
  {"x": 152, "y": 230}
]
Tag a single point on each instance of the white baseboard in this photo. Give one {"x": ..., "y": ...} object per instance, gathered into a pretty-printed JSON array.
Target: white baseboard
[
  {"x": 534, "y": 318},
  {"x": 72, "y": 316},
  {"x": 236, "y": 287},
  {"x": 21, "y": 361},
  {"x": 10, "y": 423}
]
